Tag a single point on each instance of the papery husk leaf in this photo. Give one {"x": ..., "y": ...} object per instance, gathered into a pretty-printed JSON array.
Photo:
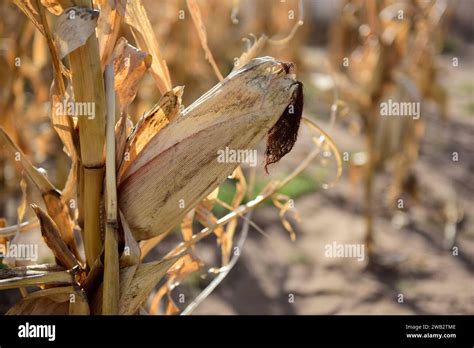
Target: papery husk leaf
[
  {"x": 163, "y": 112},
  {"x": 134, "y": 292},
  {"x": 180, "y": 164}
]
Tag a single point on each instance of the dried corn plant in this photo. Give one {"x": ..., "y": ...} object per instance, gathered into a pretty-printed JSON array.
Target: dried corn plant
[
  {"x": 383, "y": 56},
  {"x": 129, "y": 185},
  {"x": 236, "y": 24}
]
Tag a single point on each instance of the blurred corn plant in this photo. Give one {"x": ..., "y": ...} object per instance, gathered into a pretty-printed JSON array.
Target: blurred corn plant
[
  {"x": 384, "y": 52},
  {"x": 130, "y": 184}
]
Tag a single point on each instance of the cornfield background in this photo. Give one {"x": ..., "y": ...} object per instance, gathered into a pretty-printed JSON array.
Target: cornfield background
[{"x": 400, "y": 187}]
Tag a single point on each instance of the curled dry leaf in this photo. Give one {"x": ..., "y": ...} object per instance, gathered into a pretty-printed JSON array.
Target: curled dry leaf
[
  {"x": 73, "y": 28},
  {"x": 227, "y": 238},
  {"x": 207, "y": 218},
  {"x": 283, "y": 203},
  {"x": 130, "y": 65},
  {"x": 183, "y": 268},
  {"x": 181, "y": 163}
]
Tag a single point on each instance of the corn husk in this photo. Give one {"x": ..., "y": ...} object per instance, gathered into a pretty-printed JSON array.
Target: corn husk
[{"x": 179, "y": 166}]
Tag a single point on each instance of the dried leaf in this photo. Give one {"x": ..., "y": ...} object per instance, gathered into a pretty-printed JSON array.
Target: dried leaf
[
  {"x": 135, "y": 15},
  {"x": 37, "y": 176},
  {"x": 74, "y": 27},
  {"x": 184, "y": 267},
  {"x": 151, "y": 123},
  {"x": 155, "y": 302},
  {"x": 187, "y": 226},
  {"x": 20, "y": 277},
  {"x": 52, "y": 198},
  {"x": 228, "y": 237},
  {"x": 59, "y": 212},
  {"x": 284, "y": 203},
  {"x": 54, "y": 301},
  {"x": 131, "y": 252},
  {"x": 53, "y": 239},
  {"x": 31, "y": 10},
  {"x": 130, "y": 65},
  {"x": 56, "y": 7},
  {"x": 252, "y": 52},
  {"x": 171, "y": 308},
  {"x": 108, "y": 27},
  {"x": 146, "y": 276},
  {"x": 201, "y": 29},
  {"x": 148, "y": 245},
  {"x": 122, "y": 131},
  {"x": 70, "y": 188},
  {"x": 182, "y": 163},
  {"x": 62, "y": 122},
  {"x": 80, "y": 305},
  {"x": 22, "y": 207}
]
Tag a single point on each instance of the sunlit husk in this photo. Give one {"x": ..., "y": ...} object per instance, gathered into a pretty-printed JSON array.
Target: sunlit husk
[{"x": 179, "y": 166}]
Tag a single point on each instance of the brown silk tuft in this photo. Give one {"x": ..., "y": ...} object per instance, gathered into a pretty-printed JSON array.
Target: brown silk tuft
[{"x": 282, "y": 136}]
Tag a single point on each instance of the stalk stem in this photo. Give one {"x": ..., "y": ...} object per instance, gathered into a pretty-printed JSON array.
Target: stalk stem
[{"x": 110, "y": 295}]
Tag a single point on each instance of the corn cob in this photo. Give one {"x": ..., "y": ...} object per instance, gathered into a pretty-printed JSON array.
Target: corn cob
[{"x": 179, "y": 167}]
